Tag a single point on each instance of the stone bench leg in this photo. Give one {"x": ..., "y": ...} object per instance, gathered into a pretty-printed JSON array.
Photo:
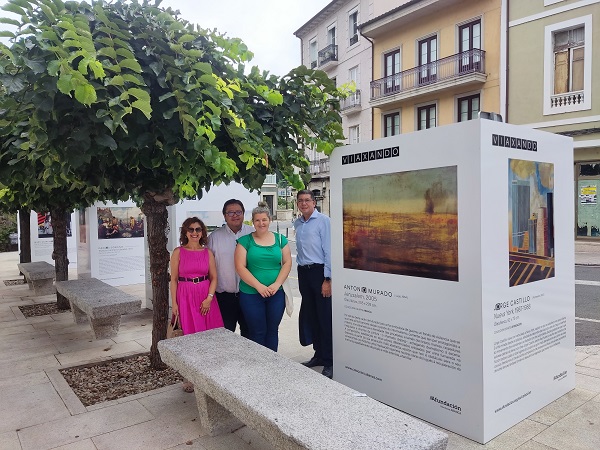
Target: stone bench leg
[
  {"x": 78, "y": 315},
  {"x": 214, "y": 418},
  {"x": 42, "y": 287},
  {"x": 106, "y": 327}
]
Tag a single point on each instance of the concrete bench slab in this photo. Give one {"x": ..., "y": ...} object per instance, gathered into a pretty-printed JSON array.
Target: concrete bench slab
[
  {"x": 99, "y": 303},
  {"x": 39, "y": 275},
  {"x": 293, "y": 407}
]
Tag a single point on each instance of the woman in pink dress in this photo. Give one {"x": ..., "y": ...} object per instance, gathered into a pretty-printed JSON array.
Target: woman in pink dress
[{"x": 194, "y": 281}]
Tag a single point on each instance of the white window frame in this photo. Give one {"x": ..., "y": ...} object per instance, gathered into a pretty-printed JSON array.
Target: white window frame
[
  {"x": 316, "y": 55},
  {"x": 335, "y": 37},
  {"x": 586, "y": 22},
  {"x": 353, "y": 11},
  {"x": 356, "y": 79},
  {"x": 350, "y": 137}
]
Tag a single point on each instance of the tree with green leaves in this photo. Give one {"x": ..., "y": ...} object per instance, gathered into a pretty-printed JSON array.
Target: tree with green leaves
[{"x": 127, "y": 99}]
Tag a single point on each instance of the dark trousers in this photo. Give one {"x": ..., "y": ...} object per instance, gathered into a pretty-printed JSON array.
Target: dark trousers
[
  {"x": 229, "y": 304},
  {"x": 315, "y": 311},
  {"x": 263, "y": 315}
]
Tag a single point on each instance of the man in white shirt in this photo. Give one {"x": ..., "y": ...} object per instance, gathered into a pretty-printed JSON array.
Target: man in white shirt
[{"x": 222, "y": 242}]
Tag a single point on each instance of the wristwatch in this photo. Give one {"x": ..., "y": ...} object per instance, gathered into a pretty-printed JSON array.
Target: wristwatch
[{"x": 327, "y": 278}]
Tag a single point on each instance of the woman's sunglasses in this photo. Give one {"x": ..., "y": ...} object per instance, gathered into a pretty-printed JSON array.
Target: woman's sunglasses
[{"x": 194, "y": 230}]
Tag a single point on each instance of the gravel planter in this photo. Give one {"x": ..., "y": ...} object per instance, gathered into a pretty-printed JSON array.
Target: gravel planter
[
  {"x": 118, "y": 378},
  {"x": 41, "y": 309}
]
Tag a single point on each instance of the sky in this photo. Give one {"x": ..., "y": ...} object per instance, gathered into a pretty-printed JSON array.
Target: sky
[{"x": 266, "y": 26}]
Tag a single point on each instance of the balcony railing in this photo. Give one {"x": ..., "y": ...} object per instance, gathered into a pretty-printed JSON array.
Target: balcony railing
[
  {"x": 455, "y": 66},
  {"x": 329, "y": 53},
  {"x": 319, "y": 166},
  {"x": 350, "y": 102},
  {"x": 566, "y": 99}
]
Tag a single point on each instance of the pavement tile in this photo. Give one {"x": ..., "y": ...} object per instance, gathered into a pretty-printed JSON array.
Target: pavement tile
[
  {"x": 253, "y": 439},
  {"x": 532, "y": 445},
  {"x": 20, "y": 354},
  {"x": 18, "y": 368},
  {"x": 74, "y": 345},
  {"x": 587, "y": 371},
  {"x": 593, "y": 362},
  {"x": 580, "y": 430},
  {"x": 24, "y": 340},
  {"x": 65, "y": 392},
  {"x": 133, "y": 335},
  {"x": 25, "y": 406},
  {"x": 580, "y": 356},
  {"x": 509, "y": 440},
  {"x": 562, "y": 406},
  {"x": 223, "y": 442},
  {"x": 9, "y": 441},
  {"x": 71, "y": 429},
  {"x": 81, "y": 356},
  {"x": 175, "y": 422},
  {"x": 587, "y": 382},
  {"x": 29, "y": 379},
  {"x": 86, "y": 444}
]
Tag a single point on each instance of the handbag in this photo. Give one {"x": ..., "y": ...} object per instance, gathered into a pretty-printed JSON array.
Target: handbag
[
  {"x": 287, "y": 290},
  {"x": 174, "y": 328}
]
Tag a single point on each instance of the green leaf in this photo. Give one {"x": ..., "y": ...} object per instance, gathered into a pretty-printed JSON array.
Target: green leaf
[
  {"x": 117, "y": 80},
  {"x": 144, "y": 107},
  {"x": 48, "y": 12},
  {"x": 208, "y": 79},
  {"x": 131, "y": 64},
  {"x": 203, "y": 67},
  {"x": 53, "y": 68},
  {"x": 11, "y": 7},
  {"x": 106, "y": 141},
  {"x": 140, "y": 94},
  {"x": 186, "y": 38},
  {"x": 7, "y": 34},
  {"x": 85, "y": 94},
  {"x": 109, "y": 52},
  {"x": 275, "y": 98},
  {"x": 97, "y": 69},
  {"x": 8, "y": 21}
]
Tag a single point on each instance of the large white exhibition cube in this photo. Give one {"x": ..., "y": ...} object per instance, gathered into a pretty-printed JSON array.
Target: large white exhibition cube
[{"x": 453, "y": 273}]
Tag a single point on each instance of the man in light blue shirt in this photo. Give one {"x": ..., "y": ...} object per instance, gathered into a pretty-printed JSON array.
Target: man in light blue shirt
[{"x": 313, "y": 244}]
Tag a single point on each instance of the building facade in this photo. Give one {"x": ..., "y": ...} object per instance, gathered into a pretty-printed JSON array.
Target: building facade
[
  {"x": 434, "y": 63},
  {"x": 552, "y": 85},
  {"x": 331, "y": 42}
]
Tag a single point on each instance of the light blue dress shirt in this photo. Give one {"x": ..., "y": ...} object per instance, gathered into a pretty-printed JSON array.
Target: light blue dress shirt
[{"x": 313, "y": 241}]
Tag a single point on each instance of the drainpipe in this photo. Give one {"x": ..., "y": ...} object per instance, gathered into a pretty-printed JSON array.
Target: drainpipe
[
  {"x": 372, "y": 69},
  {"x": 507, "y": 62}
]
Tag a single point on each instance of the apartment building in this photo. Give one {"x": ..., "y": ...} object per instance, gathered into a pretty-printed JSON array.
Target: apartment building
[
  {"x": 553, "y": 85},
  {"x": 330, "y": 41},
  {"x": 435, "y": 62}
]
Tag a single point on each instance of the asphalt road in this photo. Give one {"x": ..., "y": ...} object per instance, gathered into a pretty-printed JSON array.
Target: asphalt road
[{"x": 587, "y": 296}]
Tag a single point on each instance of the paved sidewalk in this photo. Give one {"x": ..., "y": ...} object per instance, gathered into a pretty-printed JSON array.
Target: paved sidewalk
[{"x": 39, "y": 411}]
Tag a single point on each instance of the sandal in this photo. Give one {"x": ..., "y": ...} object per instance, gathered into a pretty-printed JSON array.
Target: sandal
[{"x": 188, "y": 387}]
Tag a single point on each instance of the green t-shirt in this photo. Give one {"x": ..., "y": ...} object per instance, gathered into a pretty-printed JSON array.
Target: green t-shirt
[{"x": 263, "y": 261}]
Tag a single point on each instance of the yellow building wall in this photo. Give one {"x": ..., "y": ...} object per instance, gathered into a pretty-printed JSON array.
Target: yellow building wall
[{"x": 445, "y": 24}]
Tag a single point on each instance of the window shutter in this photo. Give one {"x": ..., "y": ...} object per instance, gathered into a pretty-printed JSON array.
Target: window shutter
[
  {"x": 577, "y": 81},
  {"x": 561, "y": 72}
]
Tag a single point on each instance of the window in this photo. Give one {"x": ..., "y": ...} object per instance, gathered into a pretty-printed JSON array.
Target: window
[
  {"x": 468, "y": 108},
  {"x": 567, "y": 66},
  {"x": 392, "y": 71},
  {"x": 353, "y": 26},
  {"x": 312, "y": 53},
  {"x": 427, "y": 57},
  {"x": 354, "y": 134},
  {"x": 391, "y": 124},
  {"x": 469, "y": 41},
  {"x": 354, "y": 75},
  {"x": 426, "y": 117},
  {"x": 331, "y": 35}
]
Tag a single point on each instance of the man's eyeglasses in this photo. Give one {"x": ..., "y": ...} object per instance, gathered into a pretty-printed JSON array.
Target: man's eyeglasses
[
  {"x": 304, "y": 200},
  {"x": 196, "y": 230},
  {"x": 234, "y": 213}
]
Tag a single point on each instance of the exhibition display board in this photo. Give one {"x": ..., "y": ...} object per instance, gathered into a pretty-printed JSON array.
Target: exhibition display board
[
  {"x": 111, "y": 243},
  {"x": 42, "y": 237},
  {"x": 453, "y": 273}
]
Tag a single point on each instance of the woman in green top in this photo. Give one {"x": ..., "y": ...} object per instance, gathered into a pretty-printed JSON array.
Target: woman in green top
[{"x": 263, "y": 260}]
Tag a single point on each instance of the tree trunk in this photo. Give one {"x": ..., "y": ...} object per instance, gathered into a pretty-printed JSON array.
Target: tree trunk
[
  {"x": 155, "y": 210},
  {"x": 59, "y": 219},
  {"x": 25, "y": 236}
]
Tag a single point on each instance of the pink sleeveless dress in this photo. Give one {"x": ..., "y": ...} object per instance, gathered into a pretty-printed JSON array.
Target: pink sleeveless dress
[{"x": 190, "y": 295}]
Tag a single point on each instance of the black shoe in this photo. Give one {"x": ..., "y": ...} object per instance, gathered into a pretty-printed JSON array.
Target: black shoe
[
  {"x": 328, "y": 371},
  {"x": 313, "y": 362}
]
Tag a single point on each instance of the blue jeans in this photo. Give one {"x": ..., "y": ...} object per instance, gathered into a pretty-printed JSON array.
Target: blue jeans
[{"x": 263, "y": 316}]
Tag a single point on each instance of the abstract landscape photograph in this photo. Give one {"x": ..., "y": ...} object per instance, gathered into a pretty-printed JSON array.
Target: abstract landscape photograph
[
  {"x": 403, "y": 223},
  {"x": 530, "y": 221}
]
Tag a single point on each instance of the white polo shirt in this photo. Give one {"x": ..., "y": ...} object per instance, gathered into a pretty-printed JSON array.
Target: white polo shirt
[{"x": 222, "y": 242}]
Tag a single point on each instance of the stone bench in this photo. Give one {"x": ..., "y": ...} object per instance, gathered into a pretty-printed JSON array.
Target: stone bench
[
  {"x": 239, "y": 382},
  {"x": 39, "y": 276},
  {"x": 98, "y": 302}
]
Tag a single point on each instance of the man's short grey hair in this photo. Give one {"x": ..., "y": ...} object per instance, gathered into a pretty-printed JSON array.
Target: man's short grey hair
[{"x": 306, "y": 192}]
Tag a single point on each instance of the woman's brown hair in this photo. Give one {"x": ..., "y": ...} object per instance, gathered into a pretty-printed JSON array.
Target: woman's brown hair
[{"x": 183, "y": 240}]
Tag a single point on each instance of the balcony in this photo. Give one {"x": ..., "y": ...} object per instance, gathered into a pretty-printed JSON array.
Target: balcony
[
  {"x": 567, "y": 99},
  {"x": 351, "y": 104},
  {"x": 457, "y": 70},
  {"x": 328, "y": 54},
  {"x": 318, "y": 166}
]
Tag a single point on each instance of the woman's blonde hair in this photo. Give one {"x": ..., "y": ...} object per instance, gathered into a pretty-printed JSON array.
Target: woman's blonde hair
[{"x": 262, "y": 208}]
